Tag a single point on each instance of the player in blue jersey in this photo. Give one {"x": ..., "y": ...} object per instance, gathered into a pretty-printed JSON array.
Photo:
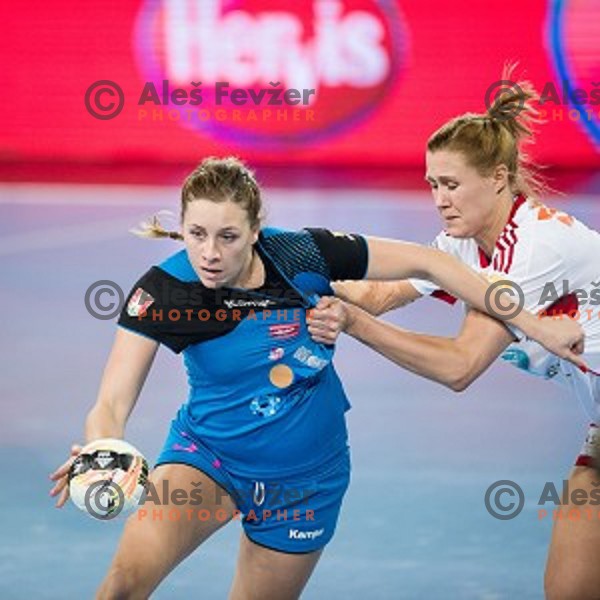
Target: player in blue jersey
[{"x": 262, "y": 434}]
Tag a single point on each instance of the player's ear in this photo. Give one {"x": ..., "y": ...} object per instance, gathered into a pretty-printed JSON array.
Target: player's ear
[{"x": 500, "y": 178}]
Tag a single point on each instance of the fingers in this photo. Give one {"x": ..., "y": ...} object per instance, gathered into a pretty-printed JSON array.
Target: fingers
[
  {"x": 322, "y": 336},
  {"x": 63, "y": 469},
  {"x": 328, "y": 309},
  {"x": 324, "y": 330},
  {"x": 64, "y": 496},
  {"x": 325, "y": 302},
  {"x": 60, "y": 486},
  {"x": 326, "y": 321},
  {"x": 577, "y": 360},
  {"x": 61, "y": 477},
  {"x": 61, "y": 489},
  {"x": 567, "y": 339},
  {"x": 574, "y": 352}
]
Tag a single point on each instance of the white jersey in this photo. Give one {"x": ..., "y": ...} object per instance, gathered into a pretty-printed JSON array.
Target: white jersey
[{"x": 554, "y": 258}]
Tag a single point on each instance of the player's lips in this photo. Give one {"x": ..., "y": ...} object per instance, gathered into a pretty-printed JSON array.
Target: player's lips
[{"x": 211, "y": 273}]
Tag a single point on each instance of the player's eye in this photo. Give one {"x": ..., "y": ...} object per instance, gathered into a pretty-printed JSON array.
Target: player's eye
[
  {"x": 229, "y": 237},
  {"x": 451, "y": 185}
]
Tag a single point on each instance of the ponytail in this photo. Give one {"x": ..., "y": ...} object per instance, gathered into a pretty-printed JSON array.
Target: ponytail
[{"x": 153, "y": 229}]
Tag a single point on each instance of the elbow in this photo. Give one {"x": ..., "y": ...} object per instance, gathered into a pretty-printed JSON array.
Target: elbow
[
  {"x": 378, "y": 311},
  {"x": 461, "y": 375},
  {"x": 458, "y": 384}
]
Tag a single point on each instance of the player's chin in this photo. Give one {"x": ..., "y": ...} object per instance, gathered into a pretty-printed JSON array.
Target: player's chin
[
  {"x": 212, "y": 284},
  {"x": 456, "y": 228}
]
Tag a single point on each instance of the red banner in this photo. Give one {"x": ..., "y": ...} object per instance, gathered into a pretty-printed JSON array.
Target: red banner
[{"x": 311, "y": 81}]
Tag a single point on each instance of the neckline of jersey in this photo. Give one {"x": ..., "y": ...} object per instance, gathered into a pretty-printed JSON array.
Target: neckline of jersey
[{"x": 484, "y": 259}]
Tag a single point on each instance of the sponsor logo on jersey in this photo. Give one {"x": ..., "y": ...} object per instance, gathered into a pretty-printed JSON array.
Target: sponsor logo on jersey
[
  {"x": 239, "y": 303},
  {"x": 139, "y": 303},
  {"x": 306, "y": 357},
  {"x": 266, "y": 406},
  {"x": 546, "y": 214},
  {"x": 276, "y": 353},
  {"x": 284, "y": 331}
]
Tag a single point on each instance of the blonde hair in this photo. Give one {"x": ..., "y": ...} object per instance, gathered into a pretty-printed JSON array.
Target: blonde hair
[
  {"x": 217, "y": 180},
  {"x": 497, "y": 136}
]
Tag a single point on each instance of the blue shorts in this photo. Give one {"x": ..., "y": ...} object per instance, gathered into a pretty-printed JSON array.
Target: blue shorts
[{"x": 295, "y": 514}]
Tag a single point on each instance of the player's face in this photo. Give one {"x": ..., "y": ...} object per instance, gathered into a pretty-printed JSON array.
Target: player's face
[
  {"x": 464, "y": 199},
  {"x": 219, "y": 239}
]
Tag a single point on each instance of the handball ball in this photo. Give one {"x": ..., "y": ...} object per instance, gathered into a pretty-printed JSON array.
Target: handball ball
[{"x": 108, "y": 478}]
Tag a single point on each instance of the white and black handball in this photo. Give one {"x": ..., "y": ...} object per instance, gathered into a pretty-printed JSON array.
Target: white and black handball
[{"x": 108, "y": 478}]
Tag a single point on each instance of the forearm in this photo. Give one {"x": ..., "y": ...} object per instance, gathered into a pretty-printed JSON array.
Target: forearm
[
  {"x": 391, "y": 260},
  {"x": 436, "y": 358},
  {"x": 116, "y": 400},
  {"x": 122, "y": 381},
  {"x": 474, "y": 289},
  {"x": 103, "y": 422}
]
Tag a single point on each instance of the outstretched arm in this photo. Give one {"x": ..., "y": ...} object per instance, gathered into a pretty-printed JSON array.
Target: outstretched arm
[
  {"x": 453, "y": 362},
  {"x": 126, "y": 370},
  {"x": 124, "y": 375},
  {"x": 389, "y": 259}
]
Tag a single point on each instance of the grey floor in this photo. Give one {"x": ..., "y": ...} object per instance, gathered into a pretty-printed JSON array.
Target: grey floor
[{"x": 414, "y": 523}]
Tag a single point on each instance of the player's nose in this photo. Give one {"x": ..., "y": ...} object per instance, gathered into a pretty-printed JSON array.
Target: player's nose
[
  {"x": 441, "y": 198},
  {"x": 210, "y": 251}
]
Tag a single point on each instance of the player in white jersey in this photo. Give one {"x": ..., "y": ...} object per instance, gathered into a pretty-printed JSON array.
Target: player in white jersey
[
  {"x": 548, "y": 256},
  {"x": 485, "y": 194}
]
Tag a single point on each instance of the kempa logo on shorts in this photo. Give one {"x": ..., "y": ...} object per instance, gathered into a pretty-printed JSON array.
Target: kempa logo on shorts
[{"x": 296, "y": 534}]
